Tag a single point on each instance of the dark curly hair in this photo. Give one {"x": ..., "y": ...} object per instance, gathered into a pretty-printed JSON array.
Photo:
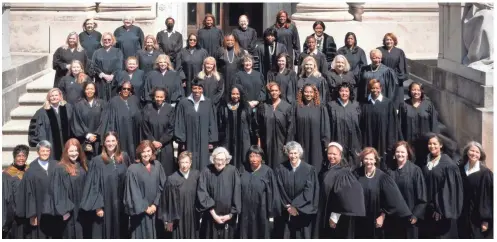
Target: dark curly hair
[
  {"x": 336, "y": 93},
  {"x": 300, "y": 95}
]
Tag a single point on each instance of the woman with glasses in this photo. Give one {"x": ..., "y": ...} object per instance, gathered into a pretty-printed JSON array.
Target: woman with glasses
[
  {"x": 189, "y": 62},
  {"x": 64, "y": 55}
]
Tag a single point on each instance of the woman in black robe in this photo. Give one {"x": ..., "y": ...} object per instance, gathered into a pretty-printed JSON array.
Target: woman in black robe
[
  {"x": 382, "y": 198},
  {"x": 325, "y": 43},
  {"x": 158, "y": 127},
  {"x": 476, "y": 220},
  {"x": 265, "y": 55},
  {"x": 219, "y": 197},
  {"x": 245, "y": 35},
  {"x": 195, "y": 126},
  {"x": 345, "y": 129},
  {"x": 64, "y": 55},
  {"x": 235, "y": 126},
  {"x": 72, "y": 85},
  {"x": 34, "y": 201},
  {"x": 177, "y": 205},
  {"x": 275, "y": 123},
  {"x": 260, "y": 197},
  {"x": 189, "y": 62},
  {"x": 395, "y": 58},
  {"x": 131, "y": 74},
  {"x": 67, "y": 185},
  {"x": 163, "y": 76},
  {"x": 90, "y": 38},
  {"x": 286, "y": 78},
  {"x": 378, "y": 121},
  {"x": 228, "y": 58},
  {"x": 355, "y": 55},
  {"x": 288, "y": 35},
  {"x": 252, "y": 81},
  {"x": 411, "y": 183},
  {"x": 312, "y": 128},
  {"x": 124, "y": 117},
  {"x": 103, "y": 192},
  {"x": 210, "y": 37},
  {"x": 212, "y": 81},
  {"x": 312, "y": 50},
  {"x": 384, "y": 74},
  {"x": 444, "y": 193},
  {"x": 147, "y": 56},
  {"x": 298, "y": 187},
  {"x": 12, "y": 226},
  {"x": 310, "y": 74},
  {"x": 106, "y": 62},
  {"x": 341, "y": 198},
  {"x": 52, "y": 122},
  {"x": 129, "y": 38},
  {"x": 143, "y": 187},
  {"x": 339, "y": 73}
]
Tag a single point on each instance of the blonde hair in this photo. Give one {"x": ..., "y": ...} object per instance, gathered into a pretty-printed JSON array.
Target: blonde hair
[
  {"x": 164, "y": 57},
  {"x": 315, "y": 72},
  {"x": 347, "y": 65},
  {"x": 202, "y": 74},
  {"x": 156, "y": 46},
  {"x": 79, "y": 48},
  {"x": 111, "y": 36},
  {"x": 81, "y": 76},
  {"x": 62, "y": 102}
]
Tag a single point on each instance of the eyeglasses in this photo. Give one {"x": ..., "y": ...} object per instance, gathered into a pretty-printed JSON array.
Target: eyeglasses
[
  {"x": 107, "y": 39},
  {"x": 126, "y": 89},
  {"x": 194, "y": 40}
]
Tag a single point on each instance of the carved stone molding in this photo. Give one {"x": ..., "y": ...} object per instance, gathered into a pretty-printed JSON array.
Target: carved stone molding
[
  {"x": 356, "y": 9},
  {"x": 70, "y": 7}
]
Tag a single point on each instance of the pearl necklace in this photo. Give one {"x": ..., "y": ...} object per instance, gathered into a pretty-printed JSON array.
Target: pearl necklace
[
  {"x": 377, "y": 68},
  {"x": 232, "y": 58},
  {"x": 274, "y": 49},
  {"x": 372, "y": 173}
]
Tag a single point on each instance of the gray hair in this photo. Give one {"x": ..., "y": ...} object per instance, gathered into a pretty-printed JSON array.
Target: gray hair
[
  {"x": 375, "y": 51},
  {"x": 483, "y": 155},
  {"x": 347, "y": 64},
  {"x": 292, "y": 145},
  {"x": 129, "y": 17},
  {"x": 44, "y": 144},
  {"x": 221, "y": 150}
]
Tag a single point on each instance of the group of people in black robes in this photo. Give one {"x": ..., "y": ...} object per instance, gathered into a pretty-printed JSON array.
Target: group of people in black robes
[{"x": 121, "y": 113}]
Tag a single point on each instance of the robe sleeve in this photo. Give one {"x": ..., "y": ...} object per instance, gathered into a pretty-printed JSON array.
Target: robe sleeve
[
  {"x": 141, "y": 37},
  {"x": 146, "y": 133},
  {"x": 323, "y": 68},
  {"x": 307, "y": 201},
  {"x": 204, "y": 199},
  {"x": 134, "y": 202},
  {"x": 7, "y": 203},
  {"x": 159, "y": 40},
  {"x": 291, "y": 90},
  {"x": 325, "y": 128},
  {"x": 394, "y": 133},
  {"x": 216, "y": 98},
  {"x": 58, "y": 63},
  {"x": 261, "y": 97},
  {"x": 79, "y": 128},
  {"x": 290, "y": 125},
  {"x": 486, "y": 195},
  {"x": 236, "y": 203},
  {"x": 37, "y": 131},
  {"x": 60, "y": 185},
  {"x": 162, "y": 182},
  {"x": 213, "y": 133},
  {"x": 346, "y": 196},
  {"x": 391, "y": 83},
  {"x": 62, "y": 87},
  {"x": 169, "y": 209},
  {"x": 119, "y": 63},
  {"x": 93, "y": 198},
  {"x": 179, "y": 124},
  {"x": 221, "y": 124},
  {"x": 420, "y": 194},
  {"x": 403, "y": 74},
  {"x": 295, "y": 40},
  {"x": 330, "y": 49},
  {"x": 26, "y": 198},
  {"x": 93, "y": 69},
  {"x": 449, "y": 200},
  {"x": 179, "y": 45},
  {"x": 434, "y": 119},
  {"x": 220, "y": 36},
  {"x": 391, "y": 200},
  {"x": 147, "y": 88},
  {"x": 273, "y": 196},
  {"x": 178, "y": 89},
  {"x": 169, "y": 133}
]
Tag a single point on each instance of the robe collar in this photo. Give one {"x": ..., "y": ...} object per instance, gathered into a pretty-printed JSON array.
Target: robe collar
[
  {"x": 475, "y": 168},
  {"x": 380, "y": 98}
]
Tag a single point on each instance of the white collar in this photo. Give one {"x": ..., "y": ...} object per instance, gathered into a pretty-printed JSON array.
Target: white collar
[
  {"x": 185, "y": 175},
  {"x": 343, "y": 104},
  {"x": 380, "y": 98},
  {"x": 172, "y": 32},
  {"x": 475, "y": 168},
  {"x": 315, "y": 52},
  {"x": 295, "y": 167},
  {"x": 202, "y": 98}
]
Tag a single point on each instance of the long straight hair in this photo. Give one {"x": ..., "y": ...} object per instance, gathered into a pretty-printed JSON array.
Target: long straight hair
[
  {"x": 66, "y": 162},
  {"x": 118, "y": 156}
]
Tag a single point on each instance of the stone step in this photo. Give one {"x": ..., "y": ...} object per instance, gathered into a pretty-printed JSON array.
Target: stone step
[
  {"x": 42, "y": 84},
  {"x": 32, "y": 99},
  {"x": 20, "y": 127},
  {"x": 9, "y": 142},
  {"x": 24, "y": 112}
]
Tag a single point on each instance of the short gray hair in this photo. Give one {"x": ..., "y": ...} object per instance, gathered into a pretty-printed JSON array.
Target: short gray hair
[
  {"x": 347, "y": 64},
  {"x": 292, "y": 145},
  {"x": 375, "y": 51},
  {"x": 221, "y": 150},
  {"x": 128, "y": 17},
  {"x": 44, "y": 144}
]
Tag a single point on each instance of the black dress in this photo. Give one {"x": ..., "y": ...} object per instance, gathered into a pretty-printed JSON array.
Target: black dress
[
  {"x": 327, "y": 46},
  {"x": 109, "y": 62},
  {"x": 252, "y": 82},
  {"x": 386, "y": 76},
  {"x": 396, "y": 59},
  {"x": 416, "y": 121},
  {"x": 189, "y": 63},
  {"x": 90, "y": 41},
  {"x": 288, "y": 84},
  {"x": 290, "y": 38},
  {"x": 158, "y": 125},
  {"x": 275, "y": 127},
  {"x": 246, "y": 38},
  {"x": 137, "y": 79},
  {"x": 88, "y": 119},
  {"x": 143, "y": 188},
  {"x": 170, "y": 45},
  {"x": 129, "y": 41},
  {"x": 210, "y": 39},
  {"x": 300, "y": 189},
  {"x": 104, "y": 189},
  {"x": 260, "y": 202},
  {"x": 228, "y": 65},
  {"x": 12, "y": 225},
  {"x": 62, "y": 57},
  {"x": 264, "y": 61},
  {"x": 146, "y": 60},
  {"x": 221, "y": 191},
  {"x": 169, "y": 80},
  {"x": 356, "y": 58},
  {"x": 71, "y": 89}
]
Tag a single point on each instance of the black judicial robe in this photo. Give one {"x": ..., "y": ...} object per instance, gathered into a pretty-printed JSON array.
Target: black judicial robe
[
  {"x": 35, "y": 199},
  {"x": 142, "y": 189},
  {"x": 109, "y": 62},
  {"x": 379, "y": 125},
  {"x": 158, "y": 125},
  {"x": 356, "y": 58},
  {"x": 189, "y": 63},
  {"x": 320, "y": 58},
  {"x": 170, "y": 45},
  {"x": 71, "y": 89},
  {"x": 67, "y": 195},
  {"x": 275, "y": 127},
  {"x": 416, "y": 121},
  {"x": 252, "y": 82},
  {"x": 62, "y": 57},
  {"x": 478, "y": 204},
  {"x": 146, "y": 60},
  {"x": 290, "y": 38},
  {"x": 177, "y": 205},
  {"x": 345, "y": 129},
  {"x": 228, "y": 64},
  {"x": 104, "y": 188},
  {"x": 88, "y": 119},
  {"x": 196, "y": 130},
  {"x": 137, "y": 80},
  {"x": 124, "y": 117},
  {"x": 329, "y": 48},
  {"x": 263, "y": 60},
  {"x": 90, "y": 41},
  {"x": 334, "y": 80},
  {"x": 170, "y": 80},
  {"x": 385, "y": 75},
  {"x": 411, "y": 183},
  {"x": 319, "y": 82},
  {"x": 381, "y": 194},
  {"x": 260, "y": 202},
  {"x": 341, "y": 193},
  {"x": 300, "y": 189},
  {"x": 445, "y": 189},
  {"x": 213, "y": 88},
  {"x": 235, "y": 131},
  {"x": 312, "y": 131},
  {"x": 129, "y": 41},
  {"x": 396, "y": 59},
  {"x": 46, "y": 124},
  {"x": 246, "y": 38},
  {"x": 12, "y": 226},
  {"x": 210, "y": 39},
  {"x": 288, "y": 84},
  {"x": 221, "y": 191}
]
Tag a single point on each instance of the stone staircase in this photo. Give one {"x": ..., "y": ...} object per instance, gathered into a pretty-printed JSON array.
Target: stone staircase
[{"x": 15, "y": 131}]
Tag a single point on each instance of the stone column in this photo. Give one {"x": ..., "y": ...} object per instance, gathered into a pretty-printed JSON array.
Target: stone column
[
  {"x": 6, "y": 61},
  {"x": 176, "y": 10}
]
